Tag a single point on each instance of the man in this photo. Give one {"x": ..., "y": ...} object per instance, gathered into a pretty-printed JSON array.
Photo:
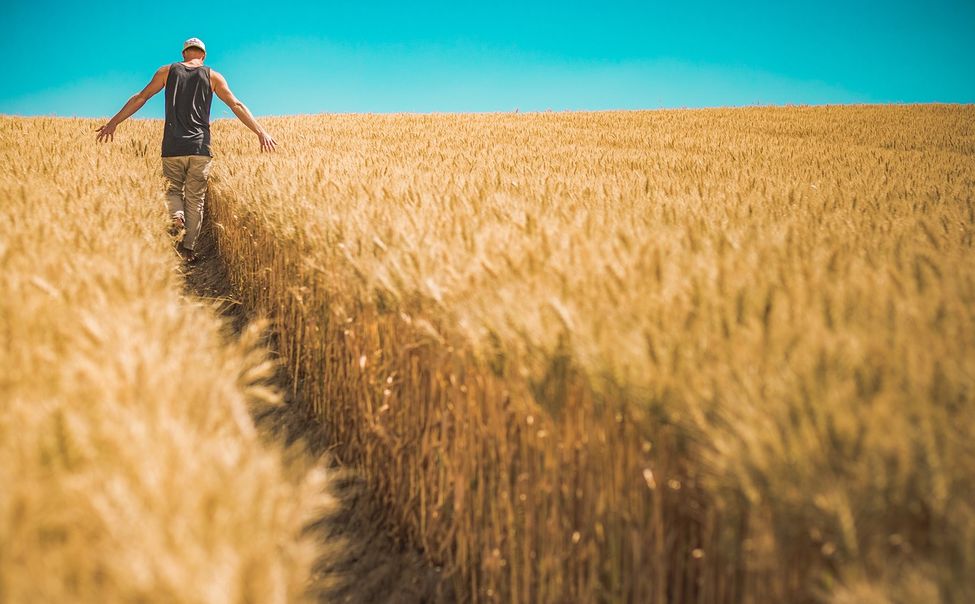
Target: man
[{"x": 186, "y": 153}]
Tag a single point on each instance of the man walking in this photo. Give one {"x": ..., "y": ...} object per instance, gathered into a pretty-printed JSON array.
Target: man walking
[{"x": 186, "y": 153}]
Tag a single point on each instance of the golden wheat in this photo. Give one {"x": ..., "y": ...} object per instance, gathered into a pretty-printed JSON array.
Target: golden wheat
[
  {"x": 709, "y": 356},
  {"x": 129, "y": 465},
  {"x": 717, "y": 355}
]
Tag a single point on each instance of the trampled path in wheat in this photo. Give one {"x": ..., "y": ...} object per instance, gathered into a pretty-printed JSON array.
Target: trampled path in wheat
[{"x": 359, "y": 561}]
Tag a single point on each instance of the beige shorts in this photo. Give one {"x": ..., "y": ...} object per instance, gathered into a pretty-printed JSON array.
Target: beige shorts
[{"x": 187, "y": 176}]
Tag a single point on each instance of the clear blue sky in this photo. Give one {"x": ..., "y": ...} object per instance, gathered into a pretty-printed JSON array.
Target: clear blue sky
[{"x": 85, "y": 58}]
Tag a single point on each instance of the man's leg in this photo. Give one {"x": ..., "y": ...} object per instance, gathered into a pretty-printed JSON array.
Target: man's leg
[
  {"x": 174, "y": 169},
  {"x": 195, "y": 192}
]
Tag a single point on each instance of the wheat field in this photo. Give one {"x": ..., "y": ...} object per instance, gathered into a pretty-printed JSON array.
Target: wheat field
[
  {"x": 669, "y": 356},
  {"x": 130, "y": 468}
]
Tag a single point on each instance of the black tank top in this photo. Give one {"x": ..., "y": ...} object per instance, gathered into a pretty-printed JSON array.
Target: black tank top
[{"x": 188, "y": 98}]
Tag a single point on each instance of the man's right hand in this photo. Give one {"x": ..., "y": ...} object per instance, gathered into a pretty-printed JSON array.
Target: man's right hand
[{"x": 267, "y": 143}]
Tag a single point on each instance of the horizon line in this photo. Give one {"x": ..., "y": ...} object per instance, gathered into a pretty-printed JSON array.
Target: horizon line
[{"x": 517, "y": 111}]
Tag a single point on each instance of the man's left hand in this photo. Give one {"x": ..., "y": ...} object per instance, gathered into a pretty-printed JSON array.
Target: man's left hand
[{"x": 106, "y": 133}]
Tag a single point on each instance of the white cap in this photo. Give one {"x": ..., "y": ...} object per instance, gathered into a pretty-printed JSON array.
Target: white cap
[{"x": 198, "y": 43}]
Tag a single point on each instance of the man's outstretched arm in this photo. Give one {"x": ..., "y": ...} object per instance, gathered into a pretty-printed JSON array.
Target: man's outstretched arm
[
  {"x": 241, "y": 111},
  {"x": 157, "y": 83}
]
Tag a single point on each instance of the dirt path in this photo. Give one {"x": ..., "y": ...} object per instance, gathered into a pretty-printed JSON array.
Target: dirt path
[{"x": 361, "y": 562}]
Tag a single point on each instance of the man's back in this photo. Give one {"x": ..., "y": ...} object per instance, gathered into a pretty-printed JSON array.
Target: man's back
[
  {"x": 190, "y": 87},
  {"x": 189, "y": 94}
]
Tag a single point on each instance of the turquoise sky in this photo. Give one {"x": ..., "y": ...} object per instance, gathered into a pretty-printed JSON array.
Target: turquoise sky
[{"x": 86, "y": 58}]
